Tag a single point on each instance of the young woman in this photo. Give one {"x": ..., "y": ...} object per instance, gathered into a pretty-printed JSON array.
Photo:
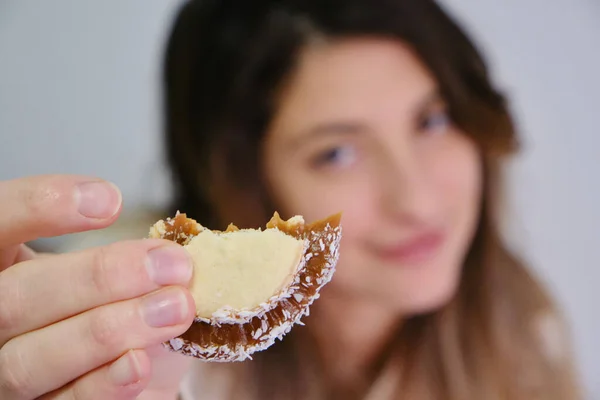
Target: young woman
[{"x": 381, "y": 109}]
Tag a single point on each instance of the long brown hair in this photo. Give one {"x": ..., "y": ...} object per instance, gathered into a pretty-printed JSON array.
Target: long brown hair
[{"x": 225, "y": 62}]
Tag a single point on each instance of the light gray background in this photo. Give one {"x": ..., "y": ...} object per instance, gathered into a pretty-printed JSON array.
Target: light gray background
[{"x": 78, "y": 86}]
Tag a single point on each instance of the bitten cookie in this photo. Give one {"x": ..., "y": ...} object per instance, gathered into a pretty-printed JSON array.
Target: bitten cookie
[{"x": 251, "y": 285}]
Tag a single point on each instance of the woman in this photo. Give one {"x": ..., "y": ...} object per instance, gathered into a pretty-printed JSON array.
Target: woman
[{"x": 381, "y": 109}]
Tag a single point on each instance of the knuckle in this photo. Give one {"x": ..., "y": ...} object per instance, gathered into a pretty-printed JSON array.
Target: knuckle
[
  {"x": 7, "y": 317},
  {"x": 117, "y": 271},
  {"x": 15, "y": 381},
  {"x": 100, "y": 274},
  {"x": 39, "y": 199},
  {"x": 106, "y": 330},
  {"x": 9, "y": 314}
]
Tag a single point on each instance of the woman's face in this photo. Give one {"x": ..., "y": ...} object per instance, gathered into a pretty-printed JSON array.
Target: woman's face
[{"x": 361, "y": 129}]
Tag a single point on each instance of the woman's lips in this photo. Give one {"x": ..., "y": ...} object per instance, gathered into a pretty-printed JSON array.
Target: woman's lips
[{"x": 416, "y": 250}]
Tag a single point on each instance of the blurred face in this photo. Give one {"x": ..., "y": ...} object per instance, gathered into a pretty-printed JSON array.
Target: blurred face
[{"x": 361, "y": 129}]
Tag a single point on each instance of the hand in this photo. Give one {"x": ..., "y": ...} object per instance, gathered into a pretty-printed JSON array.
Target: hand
[{"x": 86, "y": 325}]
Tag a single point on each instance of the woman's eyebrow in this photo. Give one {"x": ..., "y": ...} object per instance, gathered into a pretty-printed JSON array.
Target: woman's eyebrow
[
  {"x": 350, "y": 127},
  {"x": 433, "y": 97},
  {"x": 333, "y": 128}
]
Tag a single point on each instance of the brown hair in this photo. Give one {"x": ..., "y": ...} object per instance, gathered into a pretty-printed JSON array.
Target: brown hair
[{"x": 225, "y": 62}]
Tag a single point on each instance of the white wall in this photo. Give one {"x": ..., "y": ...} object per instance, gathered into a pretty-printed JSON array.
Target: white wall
[{"x": 78, "y": 86}]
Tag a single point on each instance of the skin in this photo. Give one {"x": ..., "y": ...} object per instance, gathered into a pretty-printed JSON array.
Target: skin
[
  {"x": 361, "y": 129},
  {"x": 85, "y": 325}
]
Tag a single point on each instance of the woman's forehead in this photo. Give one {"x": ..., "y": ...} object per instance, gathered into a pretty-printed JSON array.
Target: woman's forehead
[{"x": 354, "y": 79}]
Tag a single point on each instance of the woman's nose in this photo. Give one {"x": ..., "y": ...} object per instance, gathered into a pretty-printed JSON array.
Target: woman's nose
[{"x": 407, "y": 192}]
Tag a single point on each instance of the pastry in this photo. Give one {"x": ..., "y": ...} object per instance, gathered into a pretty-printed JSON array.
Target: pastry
[{"x": 251, "y": 285}]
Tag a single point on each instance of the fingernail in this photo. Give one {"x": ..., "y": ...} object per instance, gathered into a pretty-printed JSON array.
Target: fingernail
[
  {"x": 165, "y": 308},
  {"x": 169, "y": 265},
  {"x": 98, "y": 199},
  {"x": 126, "y": 370}
]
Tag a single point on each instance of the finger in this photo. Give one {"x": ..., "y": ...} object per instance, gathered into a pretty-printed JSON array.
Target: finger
[
  {"x": 24, "y": 254},
  {"x": 168, "y": 368},
  {"x": 42, "y": 361},
  {"x": 124, "y": 379},
  {"x": 15, "y": 254},
  {"x": 53, "y": 205},
  {"x": 42, "y": 291}
]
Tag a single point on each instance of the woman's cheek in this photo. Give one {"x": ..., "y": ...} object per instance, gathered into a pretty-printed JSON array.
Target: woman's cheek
[
  {"x": 458, "y": 178},
  {"x": 316, "y": 193},
  {"x": 315, "y": 201}
]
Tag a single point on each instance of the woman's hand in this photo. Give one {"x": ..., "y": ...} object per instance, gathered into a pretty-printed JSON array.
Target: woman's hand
[{"x": 85, "y": 325}]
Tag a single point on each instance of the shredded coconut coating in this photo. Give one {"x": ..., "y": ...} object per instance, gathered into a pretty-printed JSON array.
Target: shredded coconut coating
[{"x": 234, "y": 335}]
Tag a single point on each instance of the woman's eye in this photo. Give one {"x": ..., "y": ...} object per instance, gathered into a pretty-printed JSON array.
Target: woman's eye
[
  {"x": 435, "y": 122},
  {"x": 341, "y": 156}
]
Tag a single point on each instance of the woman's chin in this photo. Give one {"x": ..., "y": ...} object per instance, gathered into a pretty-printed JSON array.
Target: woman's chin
[{"x": 417, "y": 300}]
